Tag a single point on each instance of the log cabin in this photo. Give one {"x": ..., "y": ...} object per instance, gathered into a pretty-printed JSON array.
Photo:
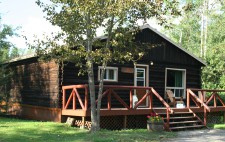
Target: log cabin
[{"x": 53, "y": 92}]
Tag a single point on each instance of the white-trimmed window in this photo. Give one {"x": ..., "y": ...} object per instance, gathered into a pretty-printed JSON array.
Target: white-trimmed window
[
  {"x": 176, "y": 81},
  {"x": 111, "y": 73},
  {"x": 140, "y": 76}
]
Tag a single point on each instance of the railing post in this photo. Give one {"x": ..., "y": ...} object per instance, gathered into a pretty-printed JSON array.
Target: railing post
[
  {"x": 131, "y": 98},
  {"x": 188, "y": 99},
  {"x": 74, "y": 99},
  {"x": 109, "y": 99},
  {"x": 214, "y": 99},
  {"x": 201, "y": 96},
  {"x": 64, "y": 99},
  {"x": 150, "y": 100},
  {"x": 86, "y": 97}
]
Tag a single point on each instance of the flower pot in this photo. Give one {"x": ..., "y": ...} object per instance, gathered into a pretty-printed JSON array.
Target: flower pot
[{"x": 155, "y": 126}]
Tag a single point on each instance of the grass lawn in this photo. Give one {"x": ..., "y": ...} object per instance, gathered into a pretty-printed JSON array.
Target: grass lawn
[
  {"x": 217, "y": 126},
  {"x": 17, "y": 130}
]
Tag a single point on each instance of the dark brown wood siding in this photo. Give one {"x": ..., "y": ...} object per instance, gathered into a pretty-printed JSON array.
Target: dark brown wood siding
[
  {"x": 69, "y": 76},
  {"x": 163, "y": 55},
  {"x": 34, "y": 83},
  {"x": 156, "y": 78},
  {"x": 164, "y": 51}
]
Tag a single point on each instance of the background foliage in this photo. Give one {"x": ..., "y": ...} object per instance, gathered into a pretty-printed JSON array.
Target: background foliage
[
  {"x": 7, "y": 52},
  {"x": 188, "y": 33}
]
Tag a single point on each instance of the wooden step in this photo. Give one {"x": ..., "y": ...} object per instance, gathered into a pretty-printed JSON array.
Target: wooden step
[
  {"x": 187, "y": 127},
  {"x": 181, "y": 122},
  {"x": 161, "y": 113},
  {"x": 175, "y": 113},
  {"x": 182, "y": 113},
  {"x": 182, "y": 117}
]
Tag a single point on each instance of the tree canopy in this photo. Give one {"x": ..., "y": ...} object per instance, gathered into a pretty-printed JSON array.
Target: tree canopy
[
  {"x": 213, "y": 76},
  {"x": 80, "y": 20},
  {"x": 7, "y": 51},
  {"x": 6, "y": 31}
]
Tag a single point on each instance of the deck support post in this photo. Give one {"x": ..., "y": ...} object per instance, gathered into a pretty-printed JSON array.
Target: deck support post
[
  {"x": 223, "y": 117},
  {"x": 83, "y": 122},
  {"x": 205, "y": 116},
  {"x": 167, "y": 119},
  {"x": 125, "y": 122}
]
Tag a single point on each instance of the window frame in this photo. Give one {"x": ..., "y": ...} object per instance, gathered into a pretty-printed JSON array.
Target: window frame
[
  {"x": 138, "y": 78},
  {"x": 136, "y": 66},
  {"x": 184, "y": 73},
  {"x": 115, "y": 73}
]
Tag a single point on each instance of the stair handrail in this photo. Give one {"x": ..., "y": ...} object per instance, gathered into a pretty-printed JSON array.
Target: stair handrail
[
  {"x": 168, "y": 109},
  {"x": 203, "y": 122},
  {"x": 205, "y": 106},
  {"x": 161, "y": 99}
]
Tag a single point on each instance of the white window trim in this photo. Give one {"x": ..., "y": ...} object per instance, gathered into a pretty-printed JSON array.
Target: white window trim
[
  {"x": 146, "y": 72},
  {"x": 184, "y": 81},
  {"x": 111, "y": 68},
  {"x": 144, "y": 77}
]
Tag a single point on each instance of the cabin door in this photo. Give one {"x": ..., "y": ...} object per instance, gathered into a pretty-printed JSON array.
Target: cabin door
[{"x": 141, "y": 79}]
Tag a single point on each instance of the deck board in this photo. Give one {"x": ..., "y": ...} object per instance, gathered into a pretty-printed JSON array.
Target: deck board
[{"x": 138, "y": 111}]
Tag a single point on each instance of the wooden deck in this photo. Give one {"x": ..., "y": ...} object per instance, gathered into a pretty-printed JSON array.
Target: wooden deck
[
  {"x": 138, "y": 111},
  {"x": 76, "y": 103}
]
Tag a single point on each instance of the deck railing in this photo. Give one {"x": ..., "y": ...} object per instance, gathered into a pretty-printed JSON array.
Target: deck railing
[
  {"x": 109, "y": 91},
  {"x": 168, "y": 109},
  {"x": 201, "y": 100},
  {"x": 73, "y": 95}
]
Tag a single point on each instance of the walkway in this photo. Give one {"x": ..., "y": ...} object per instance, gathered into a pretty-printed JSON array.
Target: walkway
[{"x": 207, "y": 135}]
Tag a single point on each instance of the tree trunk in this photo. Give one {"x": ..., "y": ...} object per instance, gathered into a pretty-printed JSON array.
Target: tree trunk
[
  {"x": 91, "y": 81},
  {"x": 94, "y": 122},
  {"x": 202, "y": 33},
  {"x": 101, "y": 82},
  {"x": 204, "y": 29}
]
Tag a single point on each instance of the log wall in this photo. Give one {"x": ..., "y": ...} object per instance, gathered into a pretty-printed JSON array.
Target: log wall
[{"x": 36, "y": 84}]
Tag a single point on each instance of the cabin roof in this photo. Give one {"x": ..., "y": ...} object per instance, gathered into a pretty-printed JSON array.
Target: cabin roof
[
  {"x": 147, "y": 26},
  {"x": 20, "y": 58},
  {"x": 24, "y": 57}
]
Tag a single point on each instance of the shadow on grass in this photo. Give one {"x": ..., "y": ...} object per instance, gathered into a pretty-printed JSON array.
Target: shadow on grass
[{"x": 16, "y": 130}]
